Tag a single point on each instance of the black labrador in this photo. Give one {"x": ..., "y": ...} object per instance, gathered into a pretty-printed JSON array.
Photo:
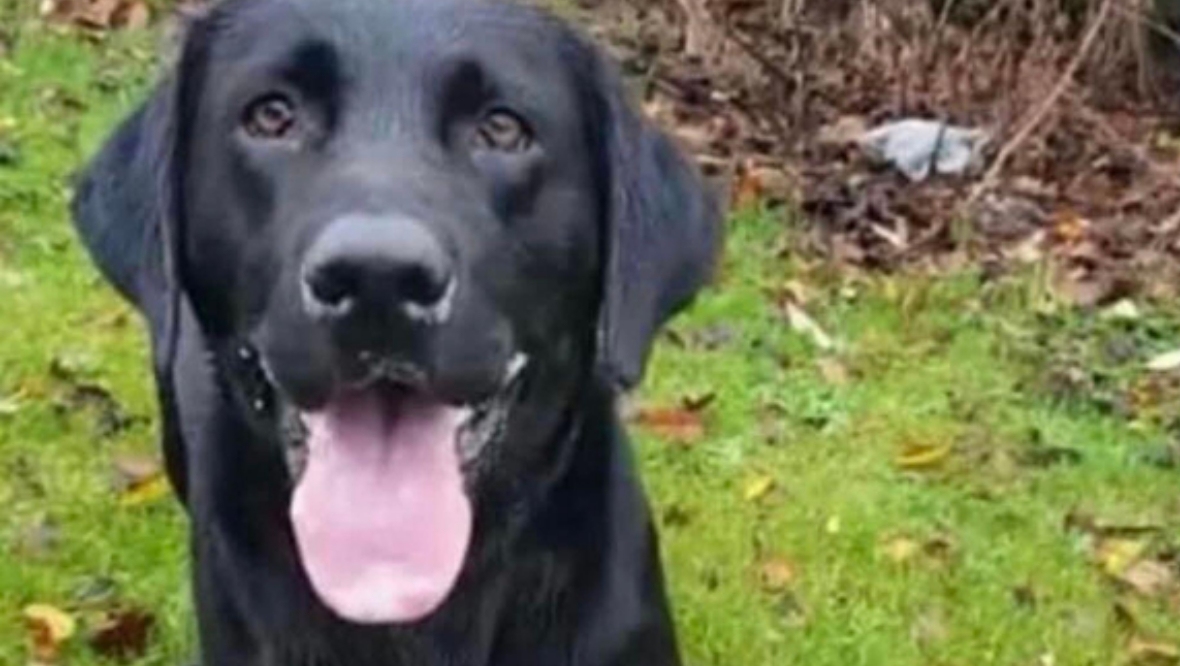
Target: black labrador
[{"x": 397, "y": 259}]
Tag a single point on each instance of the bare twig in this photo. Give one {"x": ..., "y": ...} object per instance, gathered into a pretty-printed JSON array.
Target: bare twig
[{"x": 1038, "y": 114}]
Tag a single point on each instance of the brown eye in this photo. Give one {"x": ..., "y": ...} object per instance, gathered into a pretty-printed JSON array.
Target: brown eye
[
  {"x": 503, "y": 131},
  {"x": 269, "y": 117}
]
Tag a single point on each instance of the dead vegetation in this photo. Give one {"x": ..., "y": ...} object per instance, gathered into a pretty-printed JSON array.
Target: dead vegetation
[{"x": 1079, "y": 97}]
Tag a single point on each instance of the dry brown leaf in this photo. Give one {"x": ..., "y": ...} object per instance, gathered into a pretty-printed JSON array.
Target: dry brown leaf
[
  {"x": 758, "y": 488},
  {"x": 122, "y": 634},
  {"x": 846, "y": 131},
  {"x": 95, "y": 13},
  {"x": 134, "y": 469},
  {"x": 747, "y": 189},
  {"x": 98, "y": 14},
  {"x": 1149, "y": 578},
  {"x": 1146, "y": 652},
  {"x": 47, "y": 628},
  {"x": 776, "y": 574},
  {"x": 674, "y": 424},
  {"x": 1068, "y": 227},
  {"x": 134, "y": 16}
]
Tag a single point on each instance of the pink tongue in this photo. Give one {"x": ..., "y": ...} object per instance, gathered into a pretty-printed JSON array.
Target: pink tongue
[{"x": 380, "y": 515}]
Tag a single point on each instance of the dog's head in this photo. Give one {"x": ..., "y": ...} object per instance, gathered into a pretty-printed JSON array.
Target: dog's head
[{"x": 433, "y": 223}]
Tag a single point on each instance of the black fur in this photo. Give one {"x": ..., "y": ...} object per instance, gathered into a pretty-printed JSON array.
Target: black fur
[{"x": 576, "y": 253}]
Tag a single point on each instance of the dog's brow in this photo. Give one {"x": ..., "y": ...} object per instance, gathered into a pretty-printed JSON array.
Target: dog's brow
[{"x": 314, "y": 67}]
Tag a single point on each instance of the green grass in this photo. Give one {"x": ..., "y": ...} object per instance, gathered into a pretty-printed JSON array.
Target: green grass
[{"x": 997, "y": 578}]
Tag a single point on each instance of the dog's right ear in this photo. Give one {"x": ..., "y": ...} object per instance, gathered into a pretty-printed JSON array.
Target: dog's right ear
[
  {"x": 120, "y": 206},
  {"x": 125, "y": 211}
]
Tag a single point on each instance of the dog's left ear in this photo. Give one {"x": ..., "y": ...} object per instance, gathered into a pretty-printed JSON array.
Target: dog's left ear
[{"x": 662, "y": 233}]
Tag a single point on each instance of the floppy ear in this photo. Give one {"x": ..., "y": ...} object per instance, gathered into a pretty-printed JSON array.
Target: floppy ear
[
  {"x": 122, "y": 210},
  {"x": 662, "y": 232}
]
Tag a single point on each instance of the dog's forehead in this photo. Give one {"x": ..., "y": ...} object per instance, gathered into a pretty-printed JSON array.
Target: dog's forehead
[{"x": 389, "y": 34}]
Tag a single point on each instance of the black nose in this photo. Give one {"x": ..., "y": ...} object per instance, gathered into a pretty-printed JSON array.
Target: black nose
[{"x": 376, "y": 267}]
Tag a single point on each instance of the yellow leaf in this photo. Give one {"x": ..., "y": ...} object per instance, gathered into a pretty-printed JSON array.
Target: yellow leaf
[
  {"x": 1115, "y": 556},
  {"x": 758, "y": 488},
  {"x": 833, "y": 525},
  {"x": 48, "y": 627},
  {"x": 923, "y": 456},
  {"x": 901, "y": 549},
  {"x": 145, "y": 492}
]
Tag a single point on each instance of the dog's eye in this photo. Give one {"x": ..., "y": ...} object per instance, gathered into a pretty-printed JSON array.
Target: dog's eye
[
  {"x": 269, "y": 117},
  {"x": 503, "y": 131}
]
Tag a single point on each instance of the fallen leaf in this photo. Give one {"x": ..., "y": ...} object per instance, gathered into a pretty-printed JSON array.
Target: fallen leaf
[
  {"x": 747, "y": 188},
  {"x": 147, "y": 491},
  {"x": 133, "y": 470},
  {"x": 776, "y": 574},
  {"x": 922, "y": 456},
  {"x": 846, "y": 131},
  {"x": 758, "y": 488},
  {"x": 9, "y": 405},
  {"x": 901, "y": 549},
  {"x": 1068, "y": 227},
  {"x": 134, "y": 16},
  {"x": 674, "y": 424},
  {"x": 802, "y": 323},
  {"x": 1149, "y": 578},
  {"x": 1147, "y": 652},
  {"x": 1116, "y": 555},
  {"x": 1123, "y": 310},
  {"x": 1165, "y": 362},
  {"x": 47, "y": 627},
  {"x": 122, "y": 634},
  {"x": 833, "y": 525}
]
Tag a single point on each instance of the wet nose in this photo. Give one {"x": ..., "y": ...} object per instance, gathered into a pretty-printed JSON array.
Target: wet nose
[{"x": 363, "y": 267}]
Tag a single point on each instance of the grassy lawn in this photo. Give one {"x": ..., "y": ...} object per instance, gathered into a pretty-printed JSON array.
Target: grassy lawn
[{"x": 970, "y": 475}]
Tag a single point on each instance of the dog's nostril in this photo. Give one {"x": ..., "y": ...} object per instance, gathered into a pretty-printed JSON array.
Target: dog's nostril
[
  {"x": 423, "y": 284},
  {"x": 333, "y": 285}
]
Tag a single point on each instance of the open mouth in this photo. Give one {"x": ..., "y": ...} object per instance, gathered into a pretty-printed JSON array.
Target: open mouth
[
  {"x": 381, "y": 510},
  {"x": 480, "y": 423}
]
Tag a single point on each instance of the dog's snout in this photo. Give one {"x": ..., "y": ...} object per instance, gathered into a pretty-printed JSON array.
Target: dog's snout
[{"x": 363, "y": 266}]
